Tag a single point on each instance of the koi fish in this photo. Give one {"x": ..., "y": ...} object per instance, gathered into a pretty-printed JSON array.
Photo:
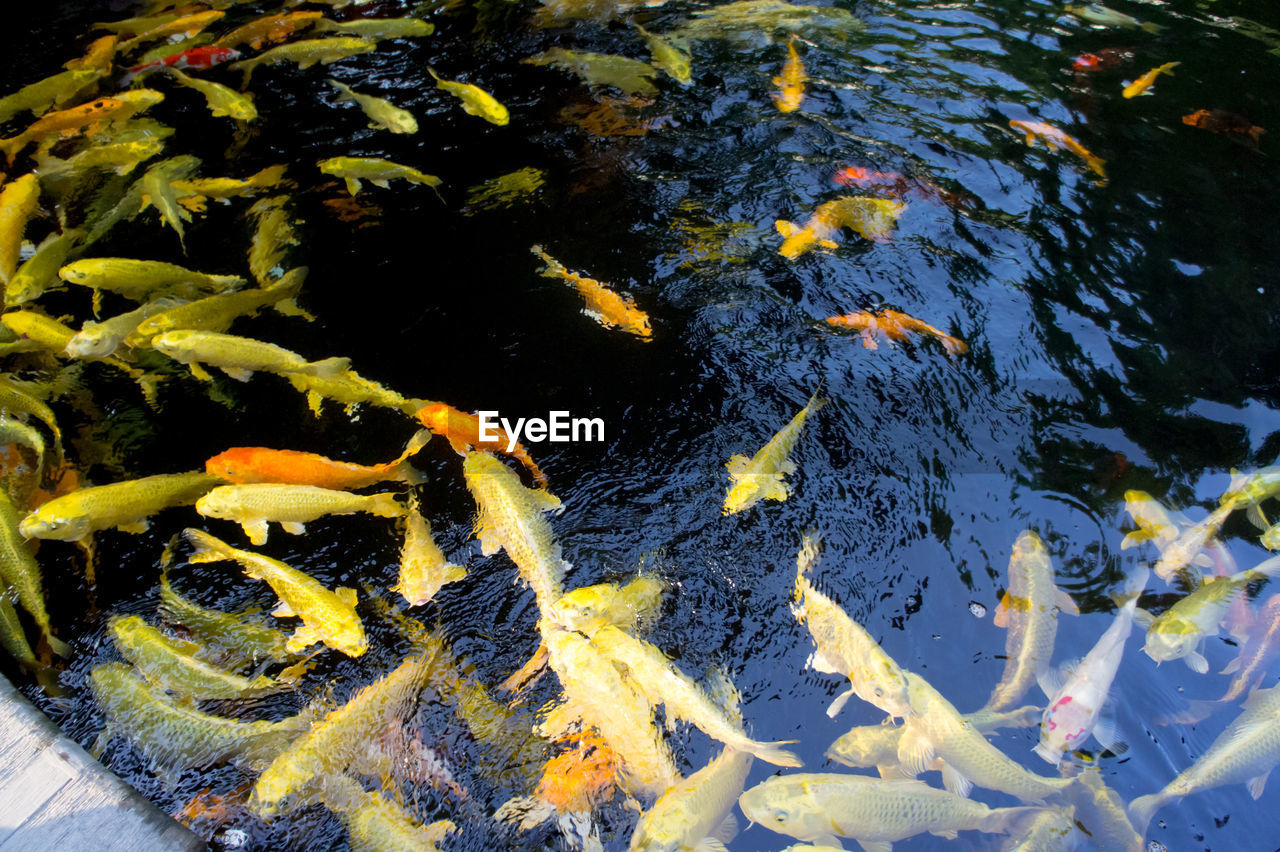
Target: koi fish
[
  {"x": 375, "y": 822},
  {"x": 894, "y": 325},
  {"x": 377, "y": 171},
  {"x": 1056, "y": 139},
  {"x": 1101, "y": 813},
  {"x": 327, "y": 616},
  {"x": 349, "y": 389},
  {"x": 1244, "y": 753},
  {"x": 193, "y": 59},
  {"x": 1030, "y": 610},
  {"x": 238, "y": 357},
  {"x": 462, "y": 431},
  {"x": 120, "y": 150},
  {"x": 101, "y": 339},
  {"x": 234, "y": 639},
  {"x": 20, "y": 573},
  {"x": 1074, "y": 705},
  {"x": 791, "y": 82},
  {"x": 273, "y": 234},
  {"x": 1182, "y": 628},
  {"x": 1102, "y": 60},
  {"x": 632, "y": 77},
  {"x": 19, "y": 201},
  {"x": 574, "y": 783},
  {"x": 217, "y": 312},
  {"x": 39, "y": 272},
  {"x": 1096, "y": 13},
  {"x": 269, "y": 29},
  {"x": 1188, "y": 547},
  {"x": 1144, "y": 84},
  {"x": 41, "y": 96},
  {"x": 376, "y": 28},
  {"x": 86, "y": 119},
  {"x": 900, "y": 185},
  {"x": 123, "y": 505},
  {"x": 1250, "y": 490},
  {"x": 1221, "y": 121},
  {"x": 305, "y": 54},
  {"x": 763, "y": 476},
  {"x": 604, "y": 305},
  {"x": 240, "y": 465},
  {"x": 475, "y": 100},
  {"x": 424, "y": 568},
  {"x": 140, "y": 279},
  {"x": 186, "y": 25},
  {"x": 668, "y": 54},
  {"x": 222, "y": 100},
  {"x": 382, "y": 114},
  {"x": 824, "y": 807},
  {"x": 872, "y": 218},
  {"x": 844, "y": 647},
  {"x": 253, "y": 505}
]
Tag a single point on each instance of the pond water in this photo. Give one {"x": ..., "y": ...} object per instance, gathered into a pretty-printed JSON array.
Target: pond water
[{"x": 1122, "y": 334}]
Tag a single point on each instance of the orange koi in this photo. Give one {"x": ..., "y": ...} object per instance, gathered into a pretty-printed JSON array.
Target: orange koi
[
  {"x": 261, "y": 464},
  {"x": 872, "y": 218},
  {"x": 186, "y": 26},
  {"x": 271, "y": 29},
  {"x": 1056, "y": 139},
  {"x": 895, "y": 325},
  {"x": 85, "y": 118},
  {"x": 1221, "y": 121},
  {"x": 791, "y": 82},
  {"x": 900, "y": 185},
  {"x": 97, "y": 57},
  {"x": 462, "y": 431},
  {"x": 609, "y": 308},
  {"x": 577, "y": 780}
]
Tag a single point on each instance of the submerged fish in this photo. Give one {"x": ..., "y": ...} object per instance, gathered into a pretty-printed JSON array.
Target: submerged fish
[
  {"x": 349, "y": 389},
  {"x": 762, "y": 477},
  {"x": 1153, "y": 521},
  {"x": 844, "y": 647},
  {"x": 509, "y": 516},
  {"x": 377, "y": 824},
  {"x": 1030, "y": 610},
  {"x": 274, "y": 233},
  {"x": 20, "y": 572},
  {"x": 305, "y": 54},
  {"x": 375, "y": 28},
  {"x": 873, "y": 218},
  {"x": 383, "y": 114},
  {"x": 376, "y": 171},
  {"x": 629, "y": 76},
  {"x": 462, "y": 431},
  {"x": 663, "y": 683},
  {"x": 255, "y": 504},
  {"x": 123, "y": 505},
  {"x": 695, "y": 809},
  {"x": 1100, "y": 813},
  {"x": 19, "y": 201},
  {"x": 1221, "y": 121},
  {"x": 821, "y": 808},
  {"x": 85, "y": 118},
  {"x": 269, "y": 29},
  {"x": 39, "y": 97},
  {"x": 1244, "y": 753},
  {"x": 1055, "y": 139},
  {"x": 238, "y": 357},
  {"x": 327, "y": 616},
  {"x": 141, "y": 279},
  {"x": 1187, "y": 548},
  {"x": 475, "y": 100},
  {"x": 234, "y": 639},
  {"x": 222, "y": 100},
  {"x": 630, "y": 606},
  {"x": 604, "y": 305},
  {"x": 671, "y": 55},
  {"x": 301, "y": 772},
  {"x": 424, "y": 568},
  {"x": 195, "y": 58},
  {"x": 894, "y": 325},
  {"x": 217, "y": 312},
  {"x": 1096, "y": 13},
  {"x": 1074, "y": 705},
  {"x": 242, "y": 465},
  {"x": 1144, "y": 84},
  {"x": 1181, "y": 630},
  {"x": 790, "y": 82},
  {"x": 101, "y": 339},
  {"x": 177, "y": 736},
  {"x": 40, "y": 271},
  {"x": 877, "y": 745}
]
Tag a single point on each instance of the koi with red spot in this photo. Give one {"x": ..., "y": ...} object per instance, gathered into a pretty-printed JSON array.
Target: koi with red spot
[
  {"x": 462, "y": 431},
  {"x": 195, "y": 59}
]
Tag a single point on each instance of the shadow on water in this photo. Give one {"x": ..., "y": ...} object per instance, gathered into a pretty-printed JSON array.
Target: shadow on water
[{"x": 1121, "y": 335}]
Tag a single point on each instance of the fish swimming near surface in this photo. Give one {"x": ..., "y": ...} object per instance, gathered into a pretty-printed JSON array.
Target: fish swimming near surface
[
  {"x": 374, "y": 822},
  {"x": 305, "y": 54},
  {"x": 1096, "y": 13},
  {"x": 894, "y": 325},
  {"x": 240, "y": 465},
  {"x": 824, "y": 807},
  {"x": 140, "y": 280},
  {"x": 184, "y": 25},
  {"x": 238, "y": 357},
  {"x": 382, "y": 114},
  {"x": 19, "y": 201},
  {"x": 217, "y": 312},
  {"x": 475, "y": 100},
  {"x": 1144, "y": 84},
  {"x": 20, "y": 573},
  {"x": 1188, "y": 548},
  {"x": 1029, "y": 609},
  {"x": 233, "y": 639},
  {"x": 670, "y": 55},
  {"x": 790, "y": 82},
  {"x": 1100, "y": 813},
  {"x": 194, "y": 59},
  {"x": 82, "y": 119},
  {"x": 253, "y": 505},
  {"x": 39, "y": 97},
  {"x": 763, "y": 476},
  {"x": 1055, "y": 139},
  {"x": 872, "y": 218},
  {"x": 844, "y": 647},
  {"x": 1250, "y": 490},
  {"x": 1180, "y": 631},
  {"x": 101, "y": 339},
  {"x": 462, "y": 431},
  {"x": 377, "y": 171},
  {"x": 603, "y": 304},
  {"x": 327, "y": 616},
  {"x": 39, "y": 272},
  {"x": 123, "y": 505},
  {"x": 223, "y": 101},
  {"x": 1075, "y": 703},
  {"x": 269, "y": 29},
  {"x": 1244, "y": 753},
  {"x": 1221, "y": 121},
  {"x": 424, "y": 568}
]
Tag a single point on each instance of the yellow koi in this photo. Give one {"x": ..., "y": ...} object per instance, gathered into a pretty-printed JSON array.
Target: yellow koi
[
  {"x": 791, "y": 82},
  {"x": 1144, "y": 84},
  {"x": 253, "y": 505},
  {"x": 424, "y": 568},
  {"x": 762, "y": 477},
  {"x": 19, "y": 201},
  {"x": 122, "y": 505},
  {"x": 238, "y": 357},
  {"x": 475, "y": 100}
]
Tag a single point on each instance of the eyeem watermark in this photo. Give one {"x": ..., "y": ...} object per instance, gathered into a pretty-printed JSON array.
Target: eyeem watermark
[{"x": 559, "y": 427}]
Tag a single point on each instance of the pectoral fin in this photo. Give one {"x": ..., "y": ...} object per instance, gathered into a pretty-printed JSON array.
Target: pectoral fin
[
  {"x": 256, "y": 530},
  {"x": 238, "y": 373},
  {"x": 1196, "y": 662},
  {"x": 710, "y": 844},
  {"x": 284, "y": 610},
  {"x": 819, "y": 663},
  {"x": 199, "y": 372},
  {"x": 546, "y": 501},
  {"x": 727, "y": 830},
  {"x": 915, "y": 752},
  {"x": 487, "y": 533},
  {"x": 346, "y": 595},
  {"x": 135, "y": 527},
  {"x": 303, "y": 637},
  {"x": 955, "y": 782},
  {"x": 838, "y": 703},
  {"x": 1104, "y": 731},
  {"x": 293, "y": 527},
  {"x": 353, "y": 185},
  {"x": 872, "y": 845},
  {"x": 1257, "y": 784},
  {"x": 1064, "y": 603}
]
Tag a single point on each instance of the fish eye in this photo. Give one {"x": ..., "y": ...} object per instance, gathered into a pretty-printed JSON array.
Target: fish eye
[
  {"x": 879, "y": 692},
  {"x": 780, "y": 817}
]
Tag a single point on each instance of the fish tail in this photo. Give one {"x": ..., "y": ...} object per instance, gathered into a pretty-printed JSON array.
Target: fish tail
[
  {"x": 1150, "y": 27},
  {"x": 1143, "y": 808},
  {"x": 62, "y": 649},
  {"x": 404, "y": 472},
  {"x": 207, "y": 547},
  {"x": 385, "y": 505},
  {"x": 775, "y": 754},
  {"x": 1007, "y": 820},
  {"x": 328, "y": 367}
]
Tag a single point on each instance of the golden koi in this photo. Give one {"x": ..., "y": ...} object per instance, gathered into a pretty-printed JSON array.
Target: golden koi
[
  {"x": 39, "y": 97},
  {"x": 668, "y": 54},
  {"x": 123, "y": 505},
  {"x": 377, "y": 171},
  {"x": 102, "y": 339},
  {"x": 232, "y": 638},
  {"x": 254, "y": 505},
  {"x": 424, "y": 568},
  {"x": 238, "y": 357},
  {"x": 376, "y": 28},
  {"x": 873, "y": 218},
  {"x": 1055, "y": 139},
  {"x": 86, "y": 118},
  {"x": 791, "y": 82},
  {"x": 475, "y": 100},
  {"x": 605, "y": 306},
  {"x": 269, "y": 29},
  {"x": 19, "y": 200},
  {"x": 273, "y": 234},
  {"x": 383, "y": 115},
  {"x": 305, "y": 54},
  {"x": 374, "y": 822},
  {"x": 1144, "y": 84},
  {"x": 141, "y": 279},
  {"x": 762, "y": 477},
  {"x": 98, "y": 56},
  {"x": 40, "y": 271},
  {"x": 217, "y": 312},
  {"x": 894, "y": 325},
  {"x": 186, "y": 25},
  {"x": 327, "y": 616},
  {"x": 349, "y": 389},
  {"x": 20, "y": 572},
  {"x": 221, "y": 100}
]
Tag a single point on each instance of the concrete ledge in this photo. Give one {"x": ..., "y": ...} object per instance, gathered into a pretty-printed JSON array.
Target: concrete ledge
[{"x": 54, "y": 796}]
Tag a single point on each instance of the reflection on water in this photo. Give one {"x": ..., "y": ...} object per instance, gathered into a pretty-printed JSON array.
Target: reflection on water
[{"x": 1120, "y": 335}]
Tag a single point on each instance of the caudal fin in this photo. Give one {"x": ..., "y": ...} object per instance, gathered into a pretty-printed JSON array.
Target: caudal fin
[
  {"x": 207, "y": 547},
  {"x": 775, "y": 754},
  {"x": 328, "y": 367},
  {"x": 385, "y": 505},
  {"x": 1143, "y": 808}
]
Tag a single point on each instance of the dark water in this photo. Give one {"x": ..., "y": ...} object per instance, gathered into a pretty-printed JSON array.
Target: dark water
[{"x": 1121, "y": 336}]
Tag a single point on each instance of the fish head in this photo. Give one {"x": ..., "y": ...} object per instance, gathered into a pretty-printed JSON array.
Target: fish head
[
  {"x": 890, "y": 693},
  {"x": 785, "y": 804},
  {"x": 54, "y": 521},
  {"x": 92, "y": 341},
  {"x": 78, "y": 272},
  {"x": 1171, "y": 639},
  {"x": 436, "y": 417},
  {"x": 218, "y": 503},
  {"x": 172, "y": 342},
  {"x": 232, "y": 465},
  {"x": 866, "y": 745}
]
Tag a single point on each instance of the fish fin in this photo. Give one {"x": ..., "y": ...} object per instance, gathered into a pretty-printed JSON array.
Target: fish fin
[
  {"x": 383, "y": 184},
  {"x": 1134, "y": 539},
  {"x": 1143, "y": 618},
  {"x": 1231, "y": 667},
  {"x": 727, "y": 829},
  {"x": 787, "y": 467},
  {"x": 546, "y": 501},
  {"x": 199, "y": 372},
  {"x": 487, "y": 533},
  {"x": 301, "y": 639},
  {"x": 1104, "y": 731},
  {"x": 712, "y": 844},
  {"x": 1051, "y": 680},
  {"x": 948, "y": 834},
  {"x": 1257, "y": 784},
  {"x": 385, "y": 505},
  {"x": 955, "y": 782},
  {"x": 786, "y": 229},
  {"x": 293, "y": 527},
  {"x": 135, "y": 527},
  {"x": 353, "y": 185},
  {"x": 256, "y": 530},
  {"x": 238, "y": 373},
  {"x": 1196, "y": 662},
  {"x": 526, "y": 673},
  {"x": 829, "y": 244},
  {"x": 915, "y": 752},
  {"x": 347, "y": 595},
  {"x": 1202, "y": 560},
  {"x": 737, "y": 464},
  {"x": 869, "y": 845},
  {"x": 838, "y": 703},
  {"x": 1151, "y": 27},
  {"x": 1255, "y": 516},
  {"x": 1001, "y": 616},
  {"x": 284, "y": 610},
  {"x": 820, "y": 663},
  {"x": 328, "y": 367},
  {"x": 775, "y": 489},
  {"x": 1197, "y": 711},
  {"x": 1064, "y": 603}
]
